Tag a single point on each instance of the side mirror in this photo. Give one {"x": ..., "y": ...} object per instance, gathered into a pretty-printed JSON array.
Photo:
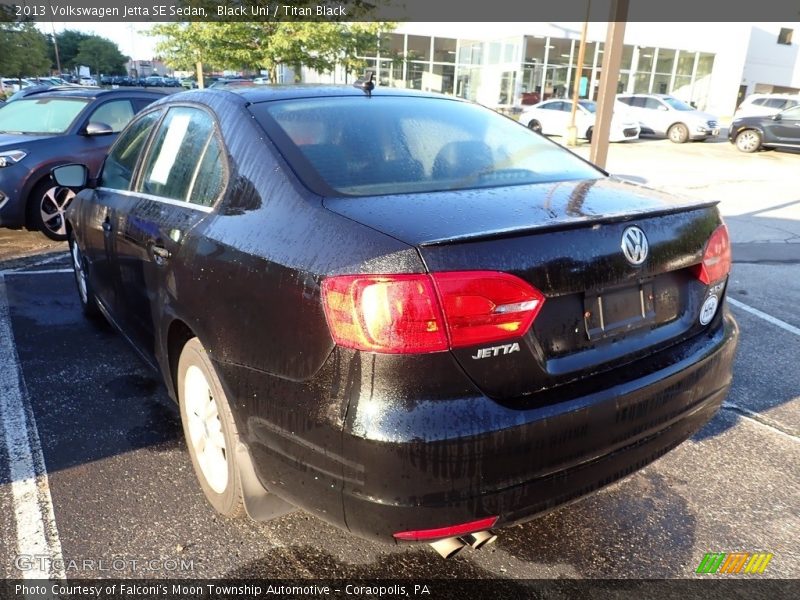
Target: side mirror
[
  {"x": 74, "y": 176},
  {"x": 662, "y": 107},
  {"x": 777, "y": 117},
  {"x": 98, "y": 129}
]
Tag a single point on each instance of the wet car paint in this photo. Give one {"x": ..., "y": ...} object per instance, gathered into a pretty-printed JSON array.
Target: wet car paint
[{"x": 380, "y": 443}]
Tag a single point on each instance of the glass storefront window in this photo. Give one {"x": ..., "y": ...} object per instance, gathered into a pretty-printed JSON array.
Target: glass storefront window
[
  {"x": 444, "y": 50},
  {"x": 507, "y": 81},
  {"x": 641, "y": 83},
  {"x": 419, "y": 47},
  {"x": 705, "y": 63},
  {"x": 494, "y": 52},
  {"x": 666, "y": 59},
  {"x": 414, "y": 71},
  {"x": 391, "y": 44},
  {"x": 685, "y": 63},
  {"x": 470, "y": 52},
  {"x": 646, "y": 55},
  {"x": 534, "y": 49},
  {"x": 391, "y": 73},
  {"x": 627, "y": 57},
  {"x": 442, "y": 79},
  {"x": 661, "y": 83}
]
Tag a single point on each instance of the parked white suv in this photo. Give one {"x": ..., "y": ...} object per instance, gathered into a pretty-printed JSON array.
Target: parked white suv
[
  {"x": 664, "y": 115},
  {"x": 765, "y": 105}
]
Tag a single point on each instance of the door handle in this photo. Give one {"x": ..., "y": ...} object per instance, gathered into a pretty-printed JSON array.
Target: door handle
[{"x": 160, "y": 254}]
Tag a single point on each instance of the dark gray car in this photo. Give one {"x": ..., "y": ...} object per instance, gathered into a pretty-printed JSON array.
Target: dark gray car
[{"x": 50, "y": 128}]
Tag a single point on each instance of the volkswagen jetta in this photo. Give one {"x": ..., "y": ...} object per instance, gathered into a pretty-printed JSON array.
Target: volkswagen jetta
[{"x": 402, "y": 312}]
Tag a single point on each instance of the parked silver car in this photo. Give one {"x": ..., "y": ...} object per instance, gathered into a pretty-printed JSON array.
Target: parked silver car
[
  {"x": 764, "y": 105},
  {"x": 664, "y": 115}
]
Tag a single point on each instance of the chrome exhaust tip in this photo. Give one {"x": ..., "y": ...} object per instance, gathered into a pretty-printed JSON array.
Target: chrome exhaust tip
[
  {"x": 479, "y": 539},
  {"x": 448, "y": 547}
]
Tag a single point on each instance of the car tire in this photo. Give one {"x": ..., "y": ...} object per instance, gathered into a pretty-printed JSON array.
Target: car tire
[
  {"x": 209, "y": 429},
  {"x": 678, "y": 133},
  {"x": 589, "y": 133},
  {"x": 85, "y": 291},
  {"x": 46, "y": 205},
  {"x": 748, "y": 140},
  {"x": 534, "y": 125}
]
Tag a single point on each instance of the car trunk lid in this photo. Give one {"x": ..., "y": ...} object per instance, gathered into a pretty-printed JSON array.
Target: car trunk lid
[{"x": 601, "y": 312}]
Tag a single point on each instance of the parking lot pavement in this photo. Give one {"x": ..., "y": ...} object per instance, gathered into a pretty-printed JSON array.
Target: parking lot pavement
[{"x": 120, "y": 485}]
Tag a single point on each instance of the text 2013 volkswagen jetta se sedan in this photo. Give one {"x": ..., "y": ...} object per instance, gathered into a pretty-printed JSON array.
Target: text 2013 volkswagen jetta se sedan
[{"x": 401, "y": 312}]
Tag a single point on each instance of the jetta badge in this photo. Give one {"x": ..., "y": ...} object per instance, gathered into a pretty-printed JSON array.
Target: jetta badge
[{"x": 634, "y": 245}]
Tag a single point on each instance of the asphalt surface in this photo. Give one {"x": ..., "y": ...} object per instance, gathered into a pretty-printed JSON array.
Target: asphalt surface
[{"x": 121, "y": 485}]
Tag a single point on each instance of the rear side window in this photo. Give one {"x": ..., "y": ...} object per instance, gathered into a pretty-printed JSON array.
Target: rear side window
[
  {"x": 121, "y": 161},
  {"x": 775, "y": 103},
  {"x": 759, "y": 101},
  {"x": 182, "y": 156},
  {"x": 364, "y": 146}
]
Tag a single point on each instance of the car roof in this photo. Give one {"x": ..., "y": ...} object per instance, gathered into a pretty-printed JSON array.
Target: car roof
[
  {"x": 268, "y": 93},
  {"x": 87, "y": 92}
]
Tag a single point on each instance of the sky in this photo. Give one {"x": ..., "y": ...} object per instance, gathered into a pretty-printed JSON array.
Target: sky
[{"x": 129, "y": 37}]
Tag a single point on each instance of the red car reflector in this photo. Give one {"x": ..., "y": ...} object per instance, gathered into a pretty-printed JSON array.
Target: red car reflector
[
  {"x": 396, "y": 314},
  {"x": 446, "y": 532},
  {"x": 418, "y": 313},
  {"x": 486, "y": 306},
  {"x": 716, "y": 262}
]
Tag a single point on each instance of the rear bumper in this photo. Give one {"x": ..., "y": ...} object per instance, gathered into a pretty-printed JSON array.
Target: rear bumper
[
  {"x": 527, "y": 462},
  {"x": 374, "y": 447}
]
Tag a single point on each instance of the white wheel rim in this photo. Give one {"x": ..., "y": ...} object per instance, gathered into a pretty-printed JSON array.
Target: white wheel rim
[
  {"x": 747, "y": 140},
  {"x": 205, "y": 429},
  {"x": 52, "y": 207},
  {"x": 80, "y": 274}
]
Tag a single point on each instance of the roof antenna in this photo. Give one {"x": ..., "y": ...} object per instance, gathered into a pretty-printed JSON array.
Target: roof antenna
[{"x": 368, "y": 84}]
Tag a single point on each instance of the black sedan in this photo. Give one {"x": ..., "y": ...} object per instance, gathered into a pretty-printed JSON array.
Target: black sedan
[
  {"x": 402, "y": 312},
  {"x": 47, "y": 127},
  {"x": 781, "y": 130}
]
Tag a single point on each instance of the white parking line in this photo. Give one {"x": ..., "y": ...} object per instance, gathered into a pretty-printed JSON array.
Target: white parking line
[
  {"x": 762, "y": 315},
  {"x": 38, "y": 543}
]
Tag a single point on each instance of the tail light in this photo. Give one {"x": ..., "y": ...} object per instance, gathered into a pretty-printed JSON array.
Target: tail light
[
  {"x": 716, "y": 262},
  {"x": 405, "y": 314}
]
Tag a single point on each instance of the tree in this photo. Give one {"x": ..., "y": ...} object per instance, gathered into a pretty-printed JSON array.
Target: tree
[
  {"x": 101, "y": 56},
  {"x": 269, "y": 44},
  {"x": 23, "y": 50},
  {"x": 68, "y": 42}
]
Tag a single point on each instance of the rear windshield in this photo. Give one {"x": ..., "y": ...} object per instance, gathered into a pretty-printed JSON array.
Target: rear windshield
[
  {"x": 40, "y": 115},
  {"x": 385, "y": 145}
]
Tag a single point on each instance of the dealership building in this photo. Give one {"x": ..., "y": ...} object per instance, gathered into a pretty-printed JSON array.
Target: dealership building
[{"x": 503, "y": 65}]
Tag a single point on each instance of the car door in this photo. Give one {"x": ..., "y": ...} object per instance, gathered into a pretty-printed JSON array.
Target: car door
[
  {"x": 786, "y": 129},
  {"x": 100, "y": 216},
  {"x": 553, "y": 122},
  {"x": 655, "y": 114},
  {"x": 180, "y": 178}
]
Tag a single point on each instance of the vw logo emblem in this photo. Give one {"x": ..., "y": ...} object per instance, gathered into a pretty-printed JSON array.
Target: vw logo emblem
[{"x": 634, "y": 245}]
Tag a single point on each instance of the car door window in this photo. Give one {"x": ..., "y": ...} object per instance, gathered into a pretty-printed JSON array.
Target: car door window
[
  {"x": 775, "y": 103},
  {"x": 628, "y": 101},
  {"x": 652, "y": 104},
  {"x": 116, "y": 114},
  {"x": 760, "y": 101},
  {"x": 179, "y": 145},
  {"x": 792, "y": 114},
  {"x": 121, "y": 161}
]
